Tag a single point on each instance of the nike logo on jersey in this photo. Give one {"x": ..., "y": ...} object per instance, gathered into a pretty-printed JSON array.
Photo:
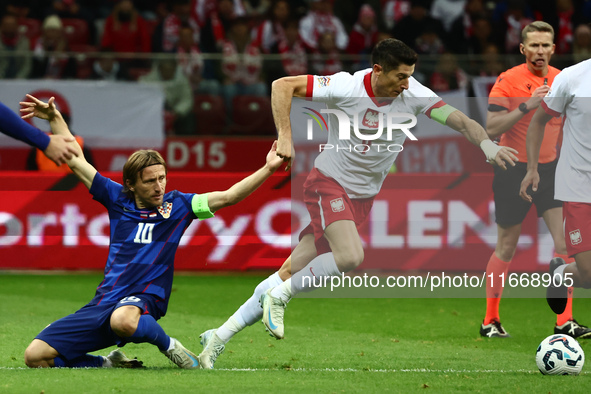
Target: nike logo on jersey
[{"x": 127, "y": 210}]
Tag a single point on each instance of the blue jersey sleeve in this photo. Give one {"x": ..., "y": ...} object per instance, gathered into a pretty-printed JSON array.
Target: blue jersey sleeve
[
  {"x": 12, "y": 125},
  {"x": 104, "y": 190},
  {"x": 187, "y": 200}
]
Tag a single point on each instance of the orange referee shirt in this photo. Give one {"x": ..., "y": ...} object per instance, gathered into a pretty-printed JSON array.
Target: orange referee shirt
[{"x": 514, "y": 87}]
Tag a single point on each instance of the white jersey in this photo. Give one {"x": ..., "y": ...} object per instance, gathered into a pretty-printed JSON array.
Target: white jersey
[
  {"x": 571, "y": 95},
  {"x": 357, "y": 164}
]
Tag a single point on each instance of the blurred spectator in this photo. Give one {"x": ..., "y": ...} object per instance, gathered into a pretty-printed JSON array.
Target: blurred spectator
[
  {"x": 447, "y": 11},
  {"x": 409, "y": 28},
  {"x": 177, "y": 93},
  {"x": 107, "y": 68},
  {"x": 125, "y": 30},
  {"x": 463, "y": 28},
  {"x": 23, "y": 8},
  {"x": 218, "y": 24},
  {"x": 166, "y": 34},
  {"x": 364, "y": 35},
  {"x": 326, "y": 59},
  {"x": 491, "y": 62},
  {"x": 429, "y": 42},
  {"x": 582, "y": 43},
  {"x": 37, "y": 161},
  {"x": 448, "y": 75},
  {"x": 49, "y": 59},
  {"x": 16, "y": 62},
  {"x": 510, "y": 18},
  {"x": 191, "y": 62},
  {"x": 73, "y": 9},
  {"x": 348, "y": 11},
  {"x": 256, "y": 8},
  {"x": 565, "y": 11},
  {"x": 241, "y": 64},
  {"x": 394, "y": 11},
  {"x": 272, "y": 30},
  {"x": 319, "y": 20},
  {"x": 294, "y": 60}
]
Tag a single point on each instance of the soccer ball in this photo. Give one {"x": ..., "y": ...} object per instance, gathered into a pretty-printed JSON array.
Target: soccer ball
[{"x": 560, "y": 355}]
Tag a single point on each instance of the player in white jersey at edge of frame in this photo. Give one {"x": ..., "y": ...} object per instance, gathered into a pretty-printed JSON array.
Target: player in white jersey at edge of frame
[
  {"x": 331, "y": 244},
  {"x": 570, "y": 95}
]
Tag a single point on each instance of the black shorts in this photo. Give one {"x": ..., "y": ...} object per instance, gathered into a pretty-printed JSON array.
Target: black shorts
[{"x": 510, "y": 208}]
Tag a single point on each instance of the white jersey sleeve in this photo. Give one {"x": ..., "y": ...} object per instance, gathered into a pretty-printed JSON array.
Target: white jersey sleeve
[
  {"x": 559, "y": 96},
  {"x": 329, "y": 87},
  {"x": 420, "y": 98}
]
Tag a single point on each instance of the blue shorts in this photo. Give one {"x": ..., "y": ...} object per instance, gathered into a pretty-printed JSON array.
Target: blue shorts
[{"x": 89, "y": 329}]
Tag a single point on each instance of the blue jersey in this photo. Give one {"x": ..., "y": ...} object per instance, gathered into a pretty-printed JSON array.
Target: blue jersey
[{"x": 143, "y": 243}]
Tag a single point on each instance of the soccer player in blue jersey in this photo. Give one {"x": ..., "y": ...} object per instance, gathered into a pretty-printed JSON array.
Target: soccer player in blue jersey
[
  {"x": 146, "y": 226},
  {"x": 55, "y": 147}
]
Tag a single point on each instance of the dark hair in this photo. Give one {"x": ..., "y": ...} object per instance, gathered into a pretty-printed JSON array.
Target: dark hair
[{"x": 391, "y": 53}]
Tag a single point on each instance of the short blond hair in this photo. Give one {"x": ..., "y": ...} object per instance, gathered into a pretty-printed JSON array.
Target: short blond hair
[
  {"x": 135, "y": 165},
  {"x": 537, "y": 26}
]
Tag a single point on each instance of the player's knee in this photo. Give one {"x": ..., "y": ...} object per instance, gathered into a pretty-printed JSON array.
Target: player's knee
[
  {"x": 350, "y": 260},
  {"x": 123, "y": 325}
]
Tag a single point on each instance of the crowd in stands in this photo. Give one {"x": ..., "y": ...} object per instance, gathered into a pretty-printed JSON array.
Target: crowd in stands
[{"x": 218, "y": 47}]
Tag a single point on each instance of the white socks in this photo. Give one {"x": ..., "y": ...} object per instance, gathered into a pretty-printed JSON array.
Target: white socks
[
  {"x": 308, "y": 279},
  {"x": 560, "y": 271},
  {"x": 250, "y": 312}
]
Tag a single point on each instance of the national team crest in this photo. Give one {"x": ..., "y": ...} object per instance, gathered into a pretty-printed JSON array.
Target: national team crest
[
  {"x": 165, "y": 209},
  {"x": 371, "y": 119},
  {"x": 575, "y": 237},
  {"x": 337, "y": 205},
  {"x": 323, "y": 81}
]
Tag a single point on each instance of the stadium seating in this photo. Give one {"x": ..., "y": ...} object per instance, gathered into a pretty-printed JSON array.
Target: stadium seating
[
  {"x": 136, "y": 72},
  {"x": 210, "y": 114},
  {"x": 30, "y": 28},
  {"x": 76, "y": 30},
  {"x": 251, "y": 115}
]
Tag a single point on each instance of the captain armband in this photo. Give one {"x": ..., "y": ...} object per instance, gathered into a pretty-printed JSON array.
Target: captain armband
[
  {"x": 441, "y": 114},
  {"x": 201, "y": 207}
]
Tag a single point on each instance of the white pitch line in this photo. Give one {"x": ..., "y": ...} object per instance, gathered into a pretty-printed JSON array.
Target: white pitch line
[{"x": 403, "y": 370}]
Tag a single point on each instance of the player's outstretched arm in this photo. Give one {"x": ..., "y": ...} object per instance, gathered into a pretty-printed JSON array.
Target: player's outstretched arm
[
  {"x": 282, "y": 91},
  {"x": 533, "y": 142},
  {"x": 242, "y": 189},
  {"x": 49, "y": 112},
  {"x": 56, "y": 148},
  {"x": 499, "y": 122},
  {"x": 496, "y": 155}
]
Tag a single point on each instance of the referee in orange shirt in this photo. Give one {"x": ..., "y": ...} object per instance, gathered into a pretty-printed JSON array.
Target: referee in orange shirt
[{"x": 512, "y": 101}]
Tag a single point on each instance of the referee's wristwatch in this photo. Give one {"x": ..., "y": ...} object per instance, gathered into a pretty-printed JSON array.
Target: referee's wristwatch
[{"x": 523, "y": 108}]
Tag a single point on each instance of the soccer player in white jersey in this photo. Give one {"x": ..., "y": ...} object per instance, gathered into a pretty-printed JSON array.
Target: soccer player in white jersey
[
  {"x": 331, "y": 243},
  {"x": 570, "y": 96}
]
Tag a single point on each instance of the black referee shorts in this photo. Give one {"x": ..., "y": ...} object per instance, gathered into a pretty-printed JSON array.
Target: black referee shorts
[{"x": 510, "y": 209}]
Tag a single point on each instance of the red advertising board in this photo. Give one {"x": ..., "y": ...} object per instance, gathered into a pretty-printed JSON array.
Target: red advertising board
[
  {"x": 181, "y": 154},
  {"x": 49, "y": 222},
  {"x": 418, "y": 222}
]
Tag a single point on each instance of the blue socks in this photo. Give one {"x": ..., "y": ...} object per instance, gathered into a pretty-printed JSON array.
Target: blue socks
[
  {"x": 86, "y": 361},
  {"x": 148, "y": 330}
]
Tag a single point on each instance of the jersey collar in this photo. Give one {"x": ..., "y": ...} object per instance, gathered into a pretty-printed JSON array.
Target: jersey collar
[{"x": 369, "y": 90}]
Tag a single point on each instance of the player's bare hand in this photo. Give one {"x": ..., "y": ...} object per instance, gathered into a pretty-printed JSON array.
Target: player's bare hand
[
  {"x": 59, "y": 149},
  {"x": 273, "y": 161},
  {"x": 532, "y": 178},
  {"x": 37, "y": 108},
  {"x": 286, "y": 151}
]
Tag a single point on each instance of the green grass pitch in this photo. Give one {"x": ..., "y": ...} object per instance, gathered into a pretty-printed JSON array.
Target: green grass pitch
[{"x": 331, "y": 345}]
